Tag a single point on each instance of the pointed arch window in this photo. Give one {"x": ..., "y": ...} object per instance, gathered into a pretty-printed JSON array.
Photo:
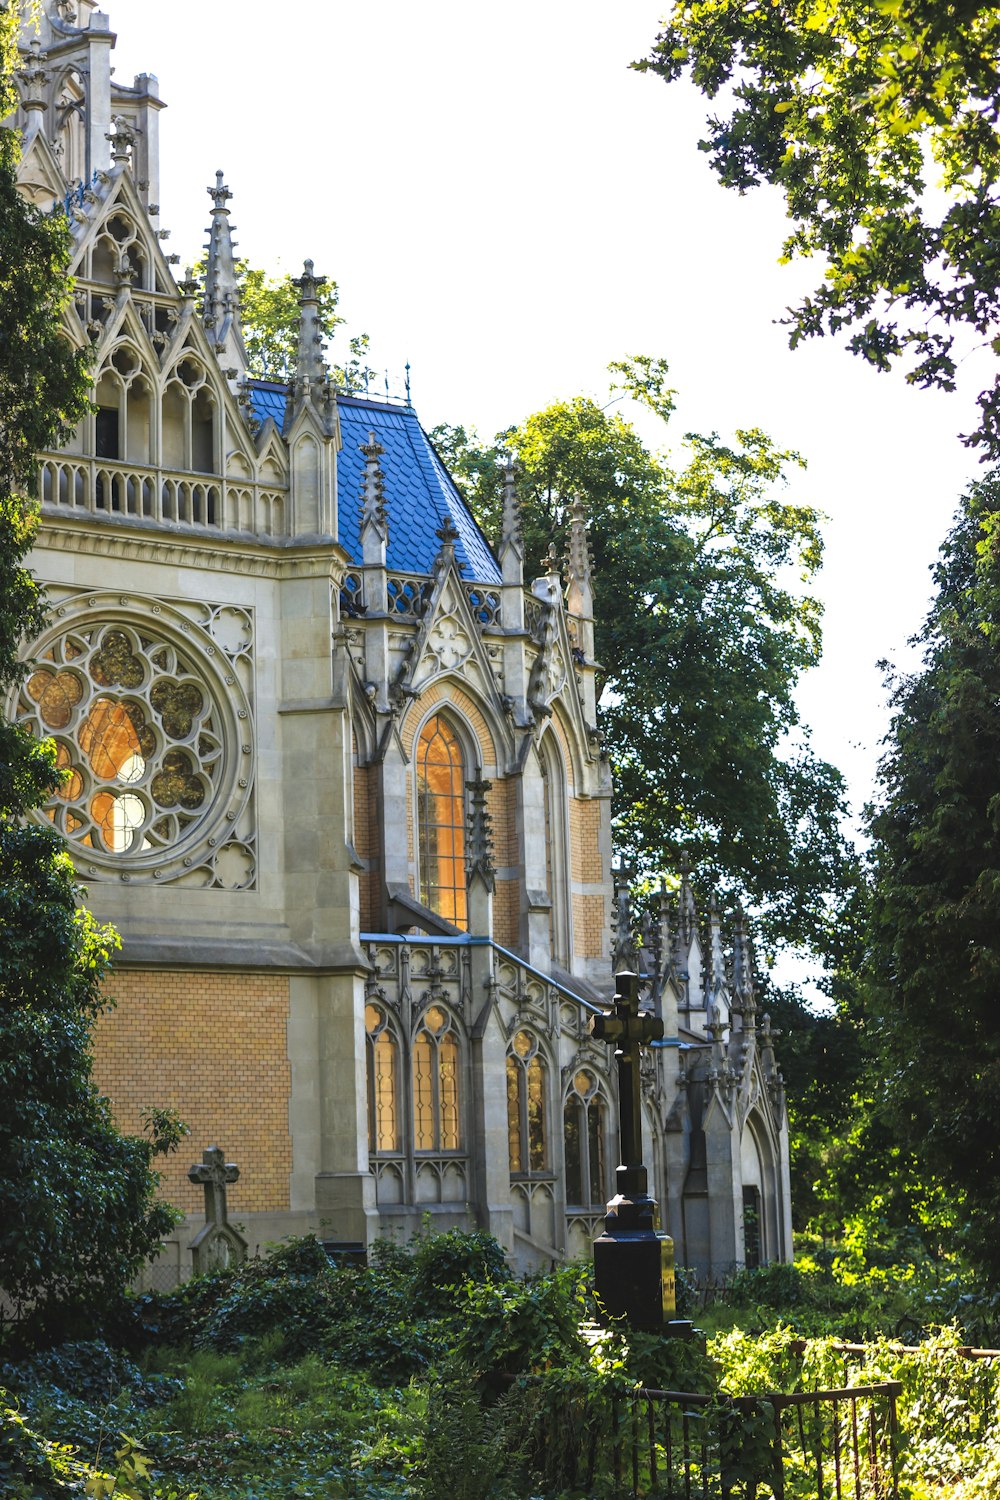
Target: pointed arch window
[
  {"x": 441, "y": 820},
  {"x": 526, "y": 1095},
  {"x": 384, "y": 1132},
  {"x": 554, "y": 810},
  {"x": 436, "y": 1115},
  {"x": 585, "y": 1119}
]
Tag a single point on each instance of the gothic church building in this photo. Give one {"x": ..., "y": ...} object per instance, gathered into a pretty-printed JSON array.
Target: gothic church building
[{"x": 334, "y": 774}]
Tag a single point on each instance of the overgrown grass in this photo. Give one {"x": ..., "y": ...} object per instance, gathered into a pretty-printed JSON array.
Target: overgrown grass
[{"x": 294, "y": 1380}]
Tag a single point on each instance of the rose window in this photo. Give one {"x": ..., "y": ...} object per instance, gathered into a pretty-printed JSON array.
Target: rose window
[{"x": 138, "y": 733}]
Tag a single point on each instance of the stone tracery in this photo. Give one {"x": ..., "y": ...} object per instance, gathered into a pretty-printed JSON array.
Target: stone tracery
[{"x": 146, "y": 729}]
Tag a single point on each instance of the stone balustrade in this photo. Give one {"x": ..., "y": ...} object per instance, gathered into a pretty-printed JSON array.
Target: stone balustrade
[{"x": 102, "y": 488}]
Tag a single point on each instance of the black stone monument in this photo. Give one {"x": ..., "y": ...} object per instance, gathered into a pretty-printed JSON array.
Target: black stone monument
[{"x": 633, "y": 1258}]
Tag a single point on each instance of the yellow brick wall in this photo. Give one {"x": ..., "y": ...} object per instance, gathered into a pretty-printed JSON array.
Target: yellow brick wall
[
  {"x": 502, "y": 805},
  {"x": 213, "y": 1047},
  {"x": 584, "y": 834},
  {"x": 586, "y": 868},
  {"x": 507, "y": 913},
  {"x": 588, "y": 926}
]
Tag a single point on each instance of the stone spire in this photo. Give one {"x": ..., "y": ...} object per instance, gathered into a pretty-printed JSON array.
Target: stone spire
[
  {"x": 310, "y": 366},
  {"x": 221, "y": 314},
  {"x": 715, "y": 959},
  {"x": 623, "y": 949},
  {"x": 579, "y": 587},
  {"x": 743, "y": 969},
  {"x": 511, "y": 538},
  {"x": 34, "y": 77},
  {"x": 374, "y": 526},
  {"x": 664, "y": 934},
  {"x": 687, "y": 911}
]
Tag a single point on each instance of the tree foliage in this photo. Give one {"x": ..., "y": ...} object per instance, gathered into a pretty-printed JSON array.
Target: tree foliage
[
  {"x": 879, "y": 120},
  {"x": 269, "y": 313},
  {"x": 705, "y": 621},
  {"x": 935, "y": 965},
  {"x": 76, "y": 1198}
]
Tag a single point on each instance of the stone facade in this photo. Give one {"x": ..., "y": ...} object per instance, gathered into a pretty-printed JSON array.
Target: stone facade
[{"x": 333, "y": 772}]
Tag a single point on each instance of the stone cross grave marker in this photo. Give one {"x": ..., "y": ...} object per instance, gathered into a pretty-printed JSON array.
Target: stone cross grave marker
[
  {"x": 218, "y": 1244},
  {"x": 633, "y": 1258}
]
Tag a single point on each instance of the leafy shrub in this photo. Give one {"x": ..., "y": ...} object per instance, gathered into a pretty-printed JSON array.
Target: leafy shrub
[
  {"x": 512, "y": 1327},
  {"x": 470, "y": 1451}
]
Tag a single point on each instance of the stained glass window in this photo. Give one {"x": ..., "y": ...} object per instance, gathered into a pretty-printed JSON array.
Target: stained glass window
[
  {"x": 383, "y": 1083},
  {"x": 526, "y": 1091},
  {"x": 441, "y": 820},
  {"x": 136, "y": 731},
  {"x": 436, "y": 1113},
  {"x": 585, "y": 1136}
]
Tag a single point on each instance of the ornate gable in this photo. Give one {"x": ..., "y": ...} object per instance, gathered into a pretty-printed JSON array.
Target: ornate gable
[
  {"x": 449, "y": 641},
  {"x": 39, "y": 177}
]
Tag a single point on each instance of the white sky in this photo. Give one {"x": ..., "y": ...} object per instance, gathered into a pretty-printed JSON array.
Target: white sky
[{"x": 508, "y": 207}]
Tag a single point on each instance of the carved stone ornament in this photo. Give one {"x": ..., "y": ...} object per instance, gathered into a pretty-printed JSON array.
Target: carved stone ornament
[{"x": 449, "y": 642}]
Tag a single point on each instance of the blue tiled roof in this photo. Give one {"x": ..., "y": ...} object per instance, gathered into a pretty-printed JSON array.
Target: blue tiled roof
[
  {"x": 419, "y": 491},
  {"x": 268, "y": 400}
]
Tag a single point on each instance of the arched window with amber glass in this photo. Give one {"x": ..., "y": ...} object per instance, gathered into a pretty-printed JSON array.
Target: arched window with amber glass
[
  {"x": 526, "y": 1092},
  {"x": 441, "y": 820},
  {"x": 554, "y": 811},
  {"x": 384, "y": 1125},
  {"x": 585, "y": 1119},
  {"x": 436, "y": 1116}
]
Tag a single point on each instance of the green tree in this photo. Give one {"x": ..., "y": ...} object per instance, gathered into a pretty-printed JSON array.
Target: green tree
[
  {"x": 934, "y": 974},
  {"x": 269, "y": 315},
  {"x": 77, "y": 1210},
  {"x": 702, "y": 636},
  {"x": 856, "y": 109}
]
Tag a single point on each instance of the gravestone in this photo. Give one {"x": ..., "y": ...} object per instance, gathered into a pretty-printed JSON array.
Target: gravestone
[
  {"x": 633, "y": 1258},
  {"x": 218, "y": 1244}
]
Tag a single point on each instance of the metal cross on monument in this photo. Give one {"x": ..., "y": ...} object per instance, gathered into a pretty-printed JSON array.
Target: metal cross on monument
[
  {"x": 218, "y": 1244},
  {"x": 633, "y": 1258}
]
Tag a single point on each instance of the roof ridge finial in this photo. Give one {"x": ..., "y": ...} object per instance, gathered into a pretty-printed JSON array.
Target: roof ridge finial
[
  {"x": 221, "y": 315},
  {"x": 447, "y": 534}
]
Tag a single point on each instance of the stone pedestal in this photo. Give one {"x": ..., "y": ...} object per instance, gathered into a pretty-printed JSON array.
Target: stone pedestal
[{"x": 634, "y": 1266}]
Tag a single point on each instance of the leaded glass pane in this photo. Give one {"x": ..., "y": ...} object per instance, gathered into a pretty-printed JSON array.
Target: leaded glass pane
[
  {"x": 537, "y": 1153},
  {"x": 595, "y": 1141},
  {"x": 515, "y": 1075},
  {"x": 574, "y": 1141},
  {"x": 448, "y": 1062},
  {"x": 387, "y": 1135},
  {"x": 424, "y": 1058},
  {"x": 441, "y": 820}
]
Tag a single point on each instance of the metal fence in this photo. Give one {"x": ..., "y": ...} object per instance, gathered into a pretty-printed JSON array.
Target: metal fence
[{"x": 812, "y": 1445}]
